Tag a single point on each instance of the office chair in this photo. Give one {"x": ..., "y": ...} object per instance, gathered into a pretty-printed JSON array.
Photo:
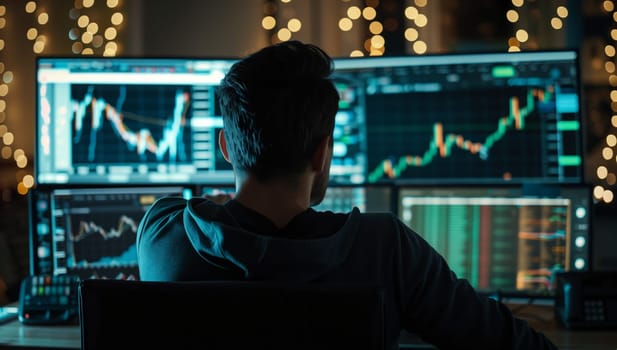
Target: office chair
[{"x": 228, "y": 315}]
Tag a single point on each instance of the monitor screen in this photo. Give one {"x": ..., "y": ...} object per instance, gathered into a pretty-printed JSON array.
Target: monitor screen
[
  {"x": 488, "y": 118},
  {"x": 89, "y": 232},
  {"x": 504, "y": 238},
  {"x": 129, "y": 121}
]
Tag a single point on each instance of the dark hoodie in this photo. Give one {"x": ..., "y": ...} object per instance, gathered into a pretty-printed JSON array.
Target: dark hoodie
[{"x": 196, "y": 239}]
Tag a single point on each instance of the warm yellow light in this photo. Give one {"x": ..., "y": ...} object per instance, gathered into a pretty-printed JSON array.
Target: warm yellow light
[
  {"x": 112, "y": 3},
  {"x": 21, "y": 162},
  {"x": 609, "y": 50},
  {"x": 562, "y": 11},
  {"x": 92, "y": 28},
  {"x": 83, "y": 21},
  {"x": 377, "y": 41},
  {"x": 2, "y": 105},
  {"x": 3, "y": 129},
  {"x": 518, "y": 3},
  {"x": 30, "y": 6},
  {"x": 607, "y": 153},
  {"x": 43, "y": 18},
  {"x": 608, "y": 6},
  {"x": 556, "y": 23},
  {"x": 117, "y": 18},
  {"x": 2, "y": 10},
  {"x": 522, "y": 35},
  {"x": 28, "y": 181},
  {"x": 356, "y": 53},
  {"x": 87, "y": 51},
  {"x": 513, "y": 42},
  {"x": 31, "y": 33},
  {"x": 419, "y": 47},
  {"x": 612, "y": 80},
  {"x": 614, "y": 121},
  {"x": 6, "y": 152},
  {"x": 4, "y": 90},
  {"x": 38, "y": 47},
  {"x": 614, "y": 16},
  {"x": 369, "y": 13},
  {"x": 421, "y": 20},
  {"x": 514, "y": 49},
  {"x": 601, "y": 172},
  {"x": 597, "y": 192},
  {"x": 420, "y": 3},
  {"x": 609, "y": 66},
  {"x": 375, "y": 27},
  {"x": 411, "y": 34},
  {"x": 18, "y": 153},
  {"x": 267, "y": 23},
  {"x": 21, "y": 189},
  {"x": 1, "y": 44},
  {"x": 86, "y": 37},
  {"x": 512, "y": 16},
  {"x": 411, "y": 12},
  {"x": 110, "y": 33},
  {"x": 611, "y": 140},
  {"x": 283, "y": 34},
  {"x": 88, "y": 3},
  {"x": 608, "y": 196},
  {"x": 2, "y": 22},
  {"x": 613, "y": 95},
  {"x": 112, "y": 46},
  {"x": 294, "y": 25},
  {"x": 354, "y": 12},
  {"x": 8, "y": 138},
  {"x": 345, "y": 24}
]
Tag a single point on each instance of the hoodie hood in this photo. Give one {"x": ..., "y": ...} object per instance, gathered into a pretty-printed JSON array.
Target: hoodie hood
[{"x": 294, "y": 253}]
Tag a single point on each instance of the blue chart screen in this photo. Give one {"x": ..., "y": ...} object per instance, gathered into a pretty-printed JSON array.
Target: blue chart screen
[
  {"x": 484, "y": 118},
  {"x": 90, "y": 232},
  {"x": 129, "y": 124},
  {"x": 129, "y": 120}
]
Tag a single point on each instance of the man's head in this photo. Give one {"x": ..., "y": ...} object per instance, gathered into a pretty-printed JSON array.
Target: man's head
[{"x": 278, "y": 106}]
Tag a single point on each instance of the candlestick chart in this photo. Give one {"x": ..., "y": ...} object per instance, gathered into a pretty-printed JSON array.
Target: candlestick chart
[{"x": 477, "y": 134}]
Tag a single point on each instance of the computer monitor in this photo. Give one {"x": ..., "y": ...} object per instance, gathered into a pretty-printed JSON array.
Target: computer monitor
[
  {"x": 129, "y": 121},
  {"x": 492, "y": 118},
  {"x": 89, "y": 232},
  {"x": 508, "y": 239}
]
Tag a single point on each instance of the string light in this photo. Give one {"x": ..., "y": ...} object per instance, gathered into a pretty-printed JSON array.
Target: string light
[
  {"x": 91, "y": 36},
  {"x": 524, "y": 36},
  {"x": 95, "y": 31},
  {"x": 375, "y": 44},
  {"x": 269, "y": 21},
  {"x": 606, "y": 178},
  {"x": 416, "y": 21}
]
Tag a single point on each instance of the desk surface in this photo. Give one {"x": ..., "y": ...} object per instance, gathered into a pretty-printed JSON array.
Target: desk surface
[{"x": 14, "y": 335}]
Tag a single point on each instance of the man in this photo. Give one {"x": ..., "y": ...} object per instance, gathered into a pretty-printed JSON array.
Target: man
[{"x": 278, "y": 109}]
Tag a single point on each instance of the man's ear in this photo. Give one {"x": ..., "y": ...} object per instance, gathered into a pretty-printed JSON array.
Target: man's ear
[
  {"x": 223, "y": 145},
  {"x": 320, "y": 156}
]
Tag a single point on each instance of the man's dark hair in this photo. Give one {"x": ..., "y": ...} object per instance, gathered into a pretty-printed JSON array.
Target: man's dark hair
[{"x": 277, "y": 105}]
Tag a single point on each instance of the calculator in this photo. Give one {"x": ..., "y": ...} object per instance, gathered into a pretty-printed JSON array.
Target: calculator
[{"x": 48, "y": 299}]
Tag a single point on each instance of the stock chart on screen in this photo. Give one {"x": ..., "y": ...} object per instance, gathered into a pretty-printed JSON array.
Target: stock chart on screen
[
  {"x": 504, "y": 238},
  {"x": 466, "y": 118}
]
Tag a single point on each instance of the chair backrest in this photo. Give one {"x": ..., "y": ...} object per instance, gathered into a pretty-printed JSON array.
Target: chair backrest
[{"x": 229, "y": 315}]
